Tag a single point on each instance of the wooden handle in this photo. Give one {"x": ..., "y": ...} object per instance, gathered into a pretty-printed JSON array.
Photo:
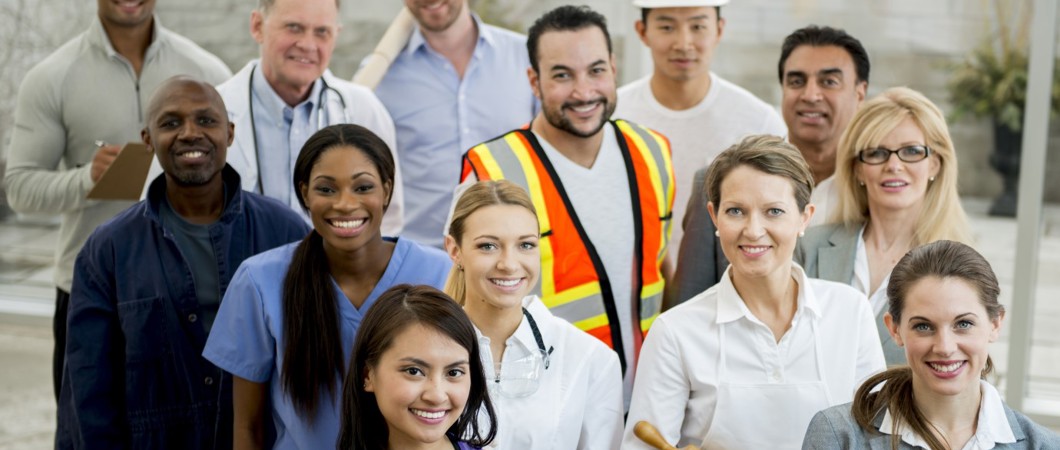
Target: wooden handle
[
  {"x": 394, "y": 39},
  {"x": 650, "y": 435}
]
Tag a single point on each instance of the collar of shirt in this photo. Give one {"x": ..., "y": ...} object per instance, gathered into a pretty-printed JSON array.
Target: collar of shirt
[
  {"x": 417, "y": 41},
  {"x": 524, "y": 335},
  {"x": 993, "y": 427},
  {"x": 731, "y": 307},
  {"x": 98, "y": 36},
  {"x": 274, "y": 106}
]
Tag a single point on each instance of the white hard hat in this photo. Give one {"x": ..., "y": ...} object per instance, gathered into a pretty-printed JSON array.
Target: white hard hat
[{"x": 677, "y": 3}]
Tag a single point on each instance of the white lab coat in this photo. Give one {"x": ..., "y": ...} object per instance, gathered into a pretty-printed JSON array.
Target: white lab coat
[{"x": 362, "y": 108}]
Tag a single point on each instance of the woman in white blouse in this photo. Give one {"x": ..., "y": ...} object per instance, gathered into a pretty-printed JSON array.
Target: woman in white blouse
[
  {"x": 747, "y": 363},
  {"x": 896, "y": 182},
  {"x": 552, "y": 385},
  {"x": 943, "y": 312}
]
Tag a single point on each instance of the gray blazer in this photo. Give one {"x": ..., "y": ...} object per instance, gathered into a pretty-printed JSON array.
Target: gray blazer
[
  {"x": 827, "y": 252},
  {"x": 700, "y": 262},
  {"x": 835, "y": 428}
]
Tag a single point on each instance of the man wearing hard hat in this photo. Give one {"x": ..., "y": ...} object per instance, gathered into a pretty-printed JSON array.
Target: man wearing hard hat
[{"x": 700, "y": 112}]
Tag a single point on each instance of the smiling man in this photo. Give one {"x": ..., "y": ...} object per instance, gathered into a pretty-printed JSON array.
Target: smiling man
[
  {"x": 697, "y": 110},
  {"x": 824, "y": 74},
  {"x": 603, "y": 188},
  {"x": 148, "y": 284},
  {"x": 278, "y": 101}
]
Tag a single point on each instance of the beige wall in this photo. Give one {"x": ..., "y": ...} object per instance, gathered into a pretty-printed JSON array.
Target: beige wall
[{"x": 909, "y": 41}]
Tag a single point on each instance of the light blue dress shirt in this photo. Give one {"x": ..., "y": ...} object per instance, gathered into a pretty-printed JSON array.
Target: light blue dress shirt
[
  {"x": 247, "y": 336},
  {"x": 439, "y": 116},
  {"x": 281, "y": 131}
]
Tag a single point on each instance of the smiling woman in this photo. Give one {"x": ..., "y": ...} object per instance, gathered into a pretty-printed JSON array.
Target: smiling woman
[
  {"x": 554, "y": 386},
  {"x": 700, "y": 379},
  {"x": 415, "y": 381},
  {"x": 290, "y": 315},
  {"x": 896, "y": 186},
  {"x": 943, "y": 309}
]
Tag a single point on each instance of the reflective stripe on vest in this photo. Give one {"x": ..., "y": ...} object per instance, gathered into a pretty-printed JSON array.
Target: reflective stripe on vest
[{"x": 572, "y": 282}]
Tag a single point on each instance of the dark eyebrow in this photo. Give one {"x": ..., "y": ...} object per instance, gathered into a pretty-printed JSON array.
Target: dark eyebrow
[
  {"x": 462, "y": 362},
  {"x": 794, "y": 73},
  {"x": 420, "y": 362},
  {"x": 830, "y": 71}
]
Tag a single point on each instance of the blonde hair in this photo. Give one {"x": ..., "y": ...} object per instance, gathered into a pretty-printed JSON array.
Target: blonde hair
[
  {"x": 767, "y": 154},
  {"x": 942, "y": 216},
  {"x": 478, "y": 196}
]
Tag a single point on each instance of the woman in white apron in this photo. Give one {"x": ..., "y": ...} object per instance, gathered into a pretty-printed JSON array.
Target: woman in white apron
[
  {"x": 943, "y": 312},
  {"x": 552, "y": 385},
  {"x": 747, "y": 363}
]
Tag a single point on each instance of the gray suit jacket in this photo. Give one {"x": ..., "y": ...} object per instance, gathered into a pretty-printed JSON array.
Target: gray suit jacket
[
  {"x": 700, "y": 262},
  {"x": 835, "y": 428},
  {"x": 827, "y": 252}
]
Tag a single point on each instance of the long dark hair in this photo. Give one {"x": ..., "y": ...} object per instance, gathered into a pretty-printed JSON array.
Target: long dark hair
[
  {"x": 312, "y": 347},
  {"x": 940, "y": 259},
  {"x": 363, "y": 426}
]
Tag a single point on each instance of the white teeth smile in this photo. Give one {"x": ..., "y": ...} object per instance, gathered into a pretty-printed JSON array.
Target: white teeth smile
[
  {"x": 347, "y": 223},
  {"x": 755, "y": 250},
  {"x": 812, "y": 115},
  {"x": 193, "y": 154},
  {"x": 428, "y": 415},
  {"x": 584, "y": 108},
  {"x": 505, "y": 283},
  {"x": 895, "y": 184},
  {"x": 947, "y": 368}
]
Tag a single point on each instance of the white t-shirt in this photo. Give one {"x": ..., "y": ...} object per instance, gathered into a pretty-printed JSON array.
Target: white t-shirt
[
  {"x": 577, "y": 402},
  {"x": 698, "y": 134},
  {"x": 825, "y": 198},
  {"x": 600, "y": 196},
  {"x": 677, "y": 378}
]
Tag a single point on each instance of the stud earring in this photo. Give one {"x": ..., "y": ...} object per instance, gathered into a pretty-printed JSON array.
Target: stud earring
[
  {"x": 861, "y": 183},
  {"x": 931, "y": 179},
  {"x": 717, "y": 233},
  {"x": 802, "y": 234},
  {"x": 460, "y": 267}
]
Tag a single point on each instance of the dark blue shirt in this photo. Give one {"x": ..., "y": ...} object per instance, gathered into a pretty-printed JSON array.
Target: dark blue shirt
[{"x": 134, "y": 374}]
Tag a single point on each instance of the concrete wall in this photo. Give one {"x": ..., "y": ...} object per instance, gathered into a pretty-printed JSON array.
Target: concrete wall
[{"x": 910, "y": 43}]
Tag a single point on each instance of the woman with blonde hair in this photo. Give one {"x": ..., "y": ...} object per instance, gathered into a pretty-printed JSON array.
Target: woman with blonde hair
[
  {"x": 896, "y": 180},
  {"x": 551, "y": 384},
  {"x": 943, "y": 310}
]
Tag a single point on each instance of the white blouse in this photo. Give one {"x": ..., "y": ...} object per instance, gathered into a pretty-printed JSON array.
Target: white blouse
[
  {"x": 993, "y": 427},
  {"x": 578, "y": 402},
  {"x": 677, "y": 376},
  {"x": 862, "y": 279}
]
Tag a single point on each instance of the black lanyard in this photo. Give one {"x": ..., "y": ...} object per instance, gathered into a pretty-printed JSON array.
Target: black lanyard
[{"x": 537, "y": 337}]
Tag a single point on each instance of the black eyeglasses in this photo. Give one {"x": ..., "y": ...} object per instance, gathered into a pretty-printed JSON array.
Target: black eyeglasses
[{"x": 880, "y": 155}]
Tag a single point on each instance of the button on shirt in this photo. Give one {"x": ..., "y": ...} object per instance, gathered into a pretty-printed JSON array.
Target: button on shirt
[
  {"x": 439, "y": 116},
  {"x": 993, "y": 427},
  {"x": 677, "y": 375},
  {"x": 281, "y": 130}
]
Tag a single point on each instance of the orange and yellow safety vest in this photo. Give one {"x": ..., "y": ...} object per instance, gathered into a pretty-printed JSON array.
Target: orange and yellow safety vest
[{"x": 573, "y": 282}]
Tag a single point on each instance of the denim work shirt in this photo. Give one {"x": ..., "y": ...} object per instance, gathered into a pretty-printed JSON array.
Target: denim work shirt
[{"x": 134, "y": 374}]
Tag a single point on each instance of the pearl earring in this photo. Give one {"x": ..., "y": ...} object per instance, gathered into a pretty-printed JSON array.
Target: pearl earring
[
  {"x": 802, "y": 234},
  {"x": 861, "y": 183},
  {"x": 717, "y": 233},
  {"x": 931, "y": 179}
]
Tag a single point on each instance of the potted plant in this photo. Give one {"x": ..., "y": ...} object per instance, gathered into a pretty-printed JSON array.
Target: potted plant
[{"x": 992, "y": 82}]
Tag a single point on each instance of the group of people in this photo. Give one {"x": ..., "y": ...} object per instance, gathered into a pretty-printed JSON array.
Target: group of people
[{"x": 472, "y": 255}]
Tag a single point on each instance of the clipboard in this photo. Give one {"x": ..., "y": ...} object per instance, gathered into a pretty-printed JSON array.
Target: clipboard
[{"x": 124, "y": 179}]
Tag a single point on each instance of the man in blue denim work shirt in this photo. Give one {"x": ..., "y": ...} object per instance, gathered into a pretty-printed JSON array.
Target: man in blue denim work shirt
[
  {"x": 457, "y": 83},
  {"x": 148, "y": 283}
]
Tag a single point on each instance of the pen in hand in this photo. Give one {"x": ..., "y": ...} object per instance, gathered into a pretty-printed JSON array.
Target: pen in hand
[{"x": 104, "y": 157}]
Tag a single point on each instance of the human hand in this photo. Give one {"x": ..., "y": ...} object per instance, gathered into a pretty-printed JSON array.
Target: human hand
[{"x": 103, "y": 158}]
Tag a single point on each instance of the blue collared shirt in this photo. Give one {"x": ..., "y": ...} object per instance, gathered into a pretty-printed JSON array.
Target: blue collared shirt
[
  {"x": 439, "y": 116},
  {"x": 281, "y": 130}
]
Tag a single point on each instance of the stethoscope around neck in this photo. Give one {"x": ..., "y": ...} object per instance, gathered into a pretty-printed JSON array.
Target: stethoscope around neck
[{"x": 321, "y": 111}]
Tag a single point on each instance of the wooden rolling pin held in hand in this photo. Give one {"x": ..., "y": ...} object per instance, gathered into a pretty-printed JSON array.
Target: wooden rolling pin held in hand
[{"x": 651, "y": 436}]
